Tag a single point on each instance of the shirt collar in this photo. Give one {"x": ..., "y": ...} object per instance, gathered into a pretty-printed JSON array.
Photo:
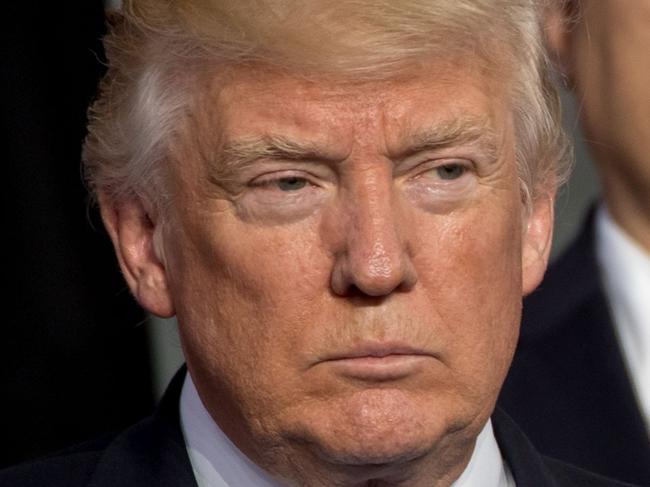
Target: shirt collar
[
  {"x": 217, "y": 462},
  {"x": 625, "y": 269}
]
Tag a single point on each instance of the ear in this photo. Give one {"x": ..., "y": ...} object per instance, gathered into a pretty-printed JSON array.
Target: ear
[
  {"x": 536, "y": 242},
  {"x": 133, "y": 232},
  {"x": 560, "y": 21}
]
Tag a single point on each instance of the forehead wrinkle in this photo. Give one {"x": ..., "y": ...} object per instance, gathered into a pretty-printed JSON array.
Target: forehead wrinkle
[{"x": 475, "y": 131}]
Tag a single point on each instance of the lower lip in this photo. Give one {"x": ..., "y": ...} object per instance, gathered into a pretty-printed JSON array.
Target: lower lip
[{"x": 379, "y": 369}]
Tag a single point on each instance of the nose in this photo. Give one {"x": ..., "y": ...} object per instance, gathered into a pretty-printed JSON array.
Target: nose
[{"x": 374, "y": 257}]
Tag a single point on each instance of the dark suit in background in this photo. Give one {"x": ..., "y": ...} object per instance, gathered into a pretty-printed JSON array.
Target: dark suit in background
[
  {"x": 568, "y": 388},
  {"x": 73, "y": 362}
]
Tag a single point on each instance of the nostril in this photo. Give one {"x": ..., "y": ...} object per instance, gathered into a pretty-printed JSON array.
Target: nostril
[
  {"x": 353, "y": 291},
  {"x": 374, "y": 259},
  {"x": 352, "y": 278}
]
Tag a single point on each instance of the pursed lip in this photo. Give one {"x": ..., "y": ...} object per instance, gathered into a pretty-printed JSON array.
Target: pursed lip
[
  {"x": 379, "y": 361},
  {"x": 377, "y": 350}
]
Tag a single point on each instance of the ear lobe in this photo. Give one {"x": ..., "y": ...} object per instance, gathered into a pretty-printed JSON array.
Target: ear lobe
[
  {"x": 133, "y": 234},
  {"x": 537, "y": 238}
]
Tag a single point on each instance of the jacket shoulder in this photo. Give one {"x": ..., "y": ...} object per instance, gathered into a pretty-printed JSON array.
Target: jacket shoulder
[
  {"x": 151, "y": 452},
  {"x": 70, "y": 468}
]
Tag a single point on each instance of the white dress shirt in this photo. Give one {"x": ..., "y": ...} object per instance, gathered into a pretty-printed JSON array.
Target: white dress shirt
[
  {"x": 217, "y": 462},
  {"x": 625, "y": 269}
]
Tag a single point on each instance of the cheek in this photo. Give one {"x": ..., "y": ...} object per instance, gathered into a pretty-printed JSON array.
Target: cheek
[
  {"x": 245, "y": 295},
  {"x": 471, "y": 272}
]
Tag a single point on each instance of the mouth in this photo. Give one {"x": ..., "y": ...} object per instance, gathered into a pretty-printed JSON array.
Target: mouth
[{"x": 379, "y": 362}]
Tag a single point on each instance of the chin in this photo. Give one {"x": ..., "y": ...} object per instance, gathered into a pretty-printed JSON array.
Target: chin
[
  {"x": 380, "y": 428},
  {"x": 378, "y": 454}
]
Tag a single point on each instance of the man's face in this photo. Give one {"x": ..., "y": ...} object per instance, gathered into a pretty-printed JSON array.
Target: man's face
[
  {"x": 611, "y": 68},
  {"x": 346, "y": 265}
]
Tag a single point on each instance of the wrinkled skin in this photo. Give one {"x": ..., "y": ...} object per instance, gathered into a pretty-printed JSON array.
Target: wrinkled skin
[{"x": 293, "y": 271}]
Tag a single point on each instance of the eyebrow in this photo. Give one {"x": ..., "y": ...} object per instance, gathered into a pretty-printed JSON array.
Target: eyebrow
[
  {"x": 475, "y": 132},
  {"x": 241, "y": 153}
]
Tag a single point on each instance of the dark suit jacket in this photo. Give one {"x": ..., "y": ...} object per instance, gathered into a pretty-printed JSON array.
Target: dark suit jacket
[
  {"x": 568, "y": 388},
  {"x": 152, "y": 453}
]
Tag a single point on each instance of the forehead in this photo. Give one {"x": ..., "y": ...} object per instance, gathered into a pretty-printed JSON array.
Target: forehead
[{"x": 259, "y": 102}]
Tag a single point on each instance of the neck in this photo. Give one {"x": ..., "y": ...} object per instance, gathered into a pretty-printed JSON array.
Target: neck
[
  {"x": 629, "y": 206},
  {"x": 436, "y": 469}
]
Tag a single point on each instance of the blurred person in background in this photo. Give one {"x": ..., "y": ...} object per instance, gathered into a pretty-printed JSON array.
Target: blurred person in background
[{"x": 580, "y": 382}]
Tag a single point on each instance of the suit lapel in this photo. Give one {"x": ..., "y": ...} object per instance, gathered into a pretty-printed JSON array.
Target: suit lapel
[
  {"x": 152, "y": 453},
  {"x": 526, "y": 464}
]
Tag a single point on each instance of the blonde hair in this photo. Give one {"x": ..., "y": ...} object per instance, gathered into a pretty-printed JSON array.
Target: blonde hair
[{"x": 154, "y": 47}]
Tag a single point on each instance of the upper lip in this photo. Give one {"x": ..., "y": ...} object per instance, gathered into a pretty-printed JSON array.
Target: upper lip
[{"x": 376, "y": 349}]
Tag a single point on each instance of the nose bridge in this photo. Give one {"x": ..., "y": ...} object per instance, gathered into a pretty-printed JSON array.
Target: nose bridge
[
  {"x": 375, "y": 260},
  {"x": 373, "y": 239}
]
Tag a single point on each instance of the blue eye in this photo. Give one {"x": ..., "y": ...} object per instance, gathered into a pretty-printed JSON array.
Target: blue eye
[
  {"x": 291, "y": 183},
  {"x": 450, "y": 171}
]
